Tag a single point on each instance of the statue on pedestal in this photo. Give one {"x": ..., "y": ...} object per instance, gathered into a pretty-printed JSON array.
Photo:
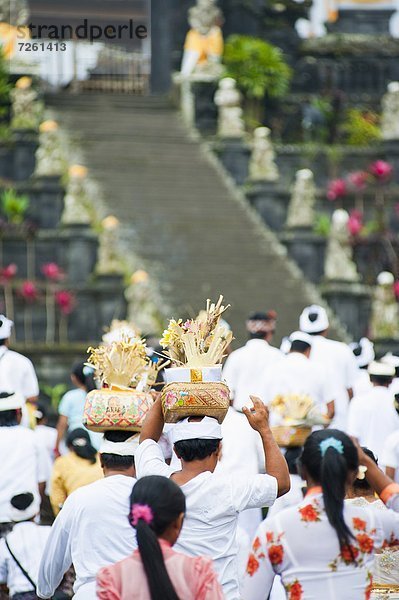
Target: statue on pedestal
[
  {"x": 203, "y": 48},
  {"x": 26, "y": 107},
  {"x": 339, "y": 264},
  {"x": 262, "y": 165},
  {"x": 109, "y": 258},
  {"x": 228, "y": 99},
  {"x": 384, "y": 310},
  {"x": 76, "y": 202},
  {"x": 390, "y": 112},
  {"x": 303, "y": 198},
  {"x": 50, "y": 161},
  {"x": 142, "y": 303}
]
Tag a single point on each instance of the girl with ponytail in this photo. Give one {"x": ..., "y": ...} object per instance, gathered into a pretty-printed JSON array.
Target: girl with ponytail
[
  {"x": 324, "y": 547},
  {"x": 155, "y": 571}
]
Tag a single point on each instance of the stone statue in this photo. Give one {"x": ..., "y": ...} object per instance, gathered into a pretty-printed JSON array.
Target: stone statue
[
  {"x": 228, "y": 99},
  {"x": 26, "y": 108},
  {"x": 203, "y": 48},
  {"x": 384, "y": 310},
  {"x": 390, "y": 112},
  {"x": 262, "y": 166},
  {"x": 109, "y": 257},
  {"x": 303, "y": 198},
  {"x": 50, "y": 160},
  {"x": 142, "y": 302},
  {"x": 339, "y": 265},
  {"x": 76, "y": 201}
]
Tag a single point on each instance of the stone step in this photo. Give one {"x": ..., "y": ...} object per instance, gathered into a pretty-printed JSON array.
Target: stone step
[{"x": 178, "y": 214}]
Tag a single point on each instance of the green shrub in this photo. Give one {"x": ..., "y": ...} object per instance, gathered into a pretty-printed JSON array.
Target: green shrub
[
  {"x": 361, "y": 127},
  {"x": 14, "y": 206},
  {"x": 259, "y": 68}
]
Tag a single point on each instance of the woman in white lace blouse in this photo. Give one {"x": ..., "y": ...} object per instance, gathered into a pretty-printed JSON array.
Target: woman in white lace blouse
[{"x": 323, "y": 548}]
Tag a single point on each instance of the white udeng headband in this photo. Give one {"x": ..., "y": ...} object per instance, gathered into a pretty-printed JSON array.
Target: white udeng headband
[
  {"x": 126, "y": 448},
  {"x": 207, "y": 429}
]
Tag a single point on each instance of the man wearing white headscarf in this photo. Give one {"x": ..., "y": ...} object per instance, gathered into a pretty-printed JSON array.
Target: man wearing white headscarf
[
  {"x": 364, "y": 355},
  {"x": 213, "y": 499},
  {"x": 17, "y": 373},
  {"x": 92, "y": 530},
  {"x": 244, "y": 367},
  {"x": 335, "y": 357}
]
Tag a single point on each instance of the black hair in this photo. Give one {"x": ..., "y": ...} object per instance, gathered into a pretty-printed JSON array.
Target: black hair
[
  {"x": 261, "y": 316},
  {"x": 166, "y": 502},
  {"x": 114, "y": 461},
  {"x": 291, "y": 456},
  {"x": 300, "y": 346},
  {"x": 330, "y": 470},
  {"x": 79, "y": 442},
  {"x": 3, "y": 341},
  {"x": 362, "y": 485},
  {"x": 381, "y": 380},
  {"x": 22, "y": 501},
  {"x": 85, "y": 375},
  {"x": 41, "y": 411},
  {"x": 197, "y": 449}
]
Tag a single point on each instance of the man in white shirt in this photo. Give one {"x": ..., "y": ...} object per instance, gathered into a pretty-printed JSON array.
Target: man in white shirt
[
  {"x": 244, "y": 367},
  {"x": 17, "y": 373},
  {"x": 25, "y": 544},
  {"x": 213, "y": 500},
  {"x": 372, "y": 416},
  {"x": 296, "y": 374},
  {"x": 390, "y": 456},
  {"x": 335, "y": 357},
  {"x": 23, "y": 459},
  {"x": 92, "y": 530}
]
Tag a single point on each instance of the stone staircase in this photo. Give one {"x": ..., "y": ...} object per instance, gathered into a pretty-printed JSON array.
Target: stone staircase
[{"x": 180, "y": 212}]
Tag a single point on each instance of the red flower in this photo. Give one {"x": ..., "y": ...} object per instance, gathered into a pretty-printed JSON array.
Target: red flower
[
  {"x": 309, "y": 513},
  {"x": 8, "y": 272},
  {"x": 359, "y": 524},
  {"x": 295, "y": 591},
  {"x": 355, "y": 222},
  {"x": 337, "y": 188},
  {"x": 348, "y": 556},
  {"x": 252, "y": 565},
  {"x": 366, "y": 543},
  {"x": 256, "y": 544},
  {"x": 369, "y": 588},
  {"x": 358, "y": 179},
  {"x": 65, "y": 301},
  {"x": 381, "y": 170},
  {"x": 276, "y": 554},
  {"x": 269, "y": 537},
  {"x": 29, "y": 291},
  {"x": 52, "y": 271}
]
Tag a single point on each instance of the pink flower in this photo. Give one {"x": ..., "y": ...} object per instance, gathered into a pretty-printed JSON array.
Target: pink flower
[
  {"x": 358, "y": 179},
  {"x": 355, "y": 222},
  {"x": 29, "y": 291},
  {"x": 8, "y": 272},
  {"x": 381, "y": 170},
  {"x": 396, "y": 289},
  {"x": 52, "y": 271},
  {"x": 337, "y": 188},
  {"x": 141, "y": 512},
  {"x": 65, "y": 301}
]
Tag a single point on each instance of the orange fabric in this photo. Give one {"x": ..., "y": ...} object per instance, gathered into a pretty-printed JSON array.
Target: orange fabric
[
  {"x": 205, "y": 45},
  {"x": 389, "y": 491},
  {"x": 317, "y": 489}
]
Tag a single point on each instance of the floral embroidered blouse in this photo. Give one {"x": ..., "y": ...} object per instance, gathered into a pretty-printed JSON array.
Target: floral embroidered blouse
[{"x": 300, "y": 545}]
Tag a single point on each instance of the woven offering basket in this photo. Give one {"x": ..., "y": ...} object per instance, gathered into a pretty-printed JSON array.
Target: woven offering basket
[
  {"x": 206, "y": 399},
  {"x": 122, "y": 410},
  {"x": 288, "y": 436}
]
